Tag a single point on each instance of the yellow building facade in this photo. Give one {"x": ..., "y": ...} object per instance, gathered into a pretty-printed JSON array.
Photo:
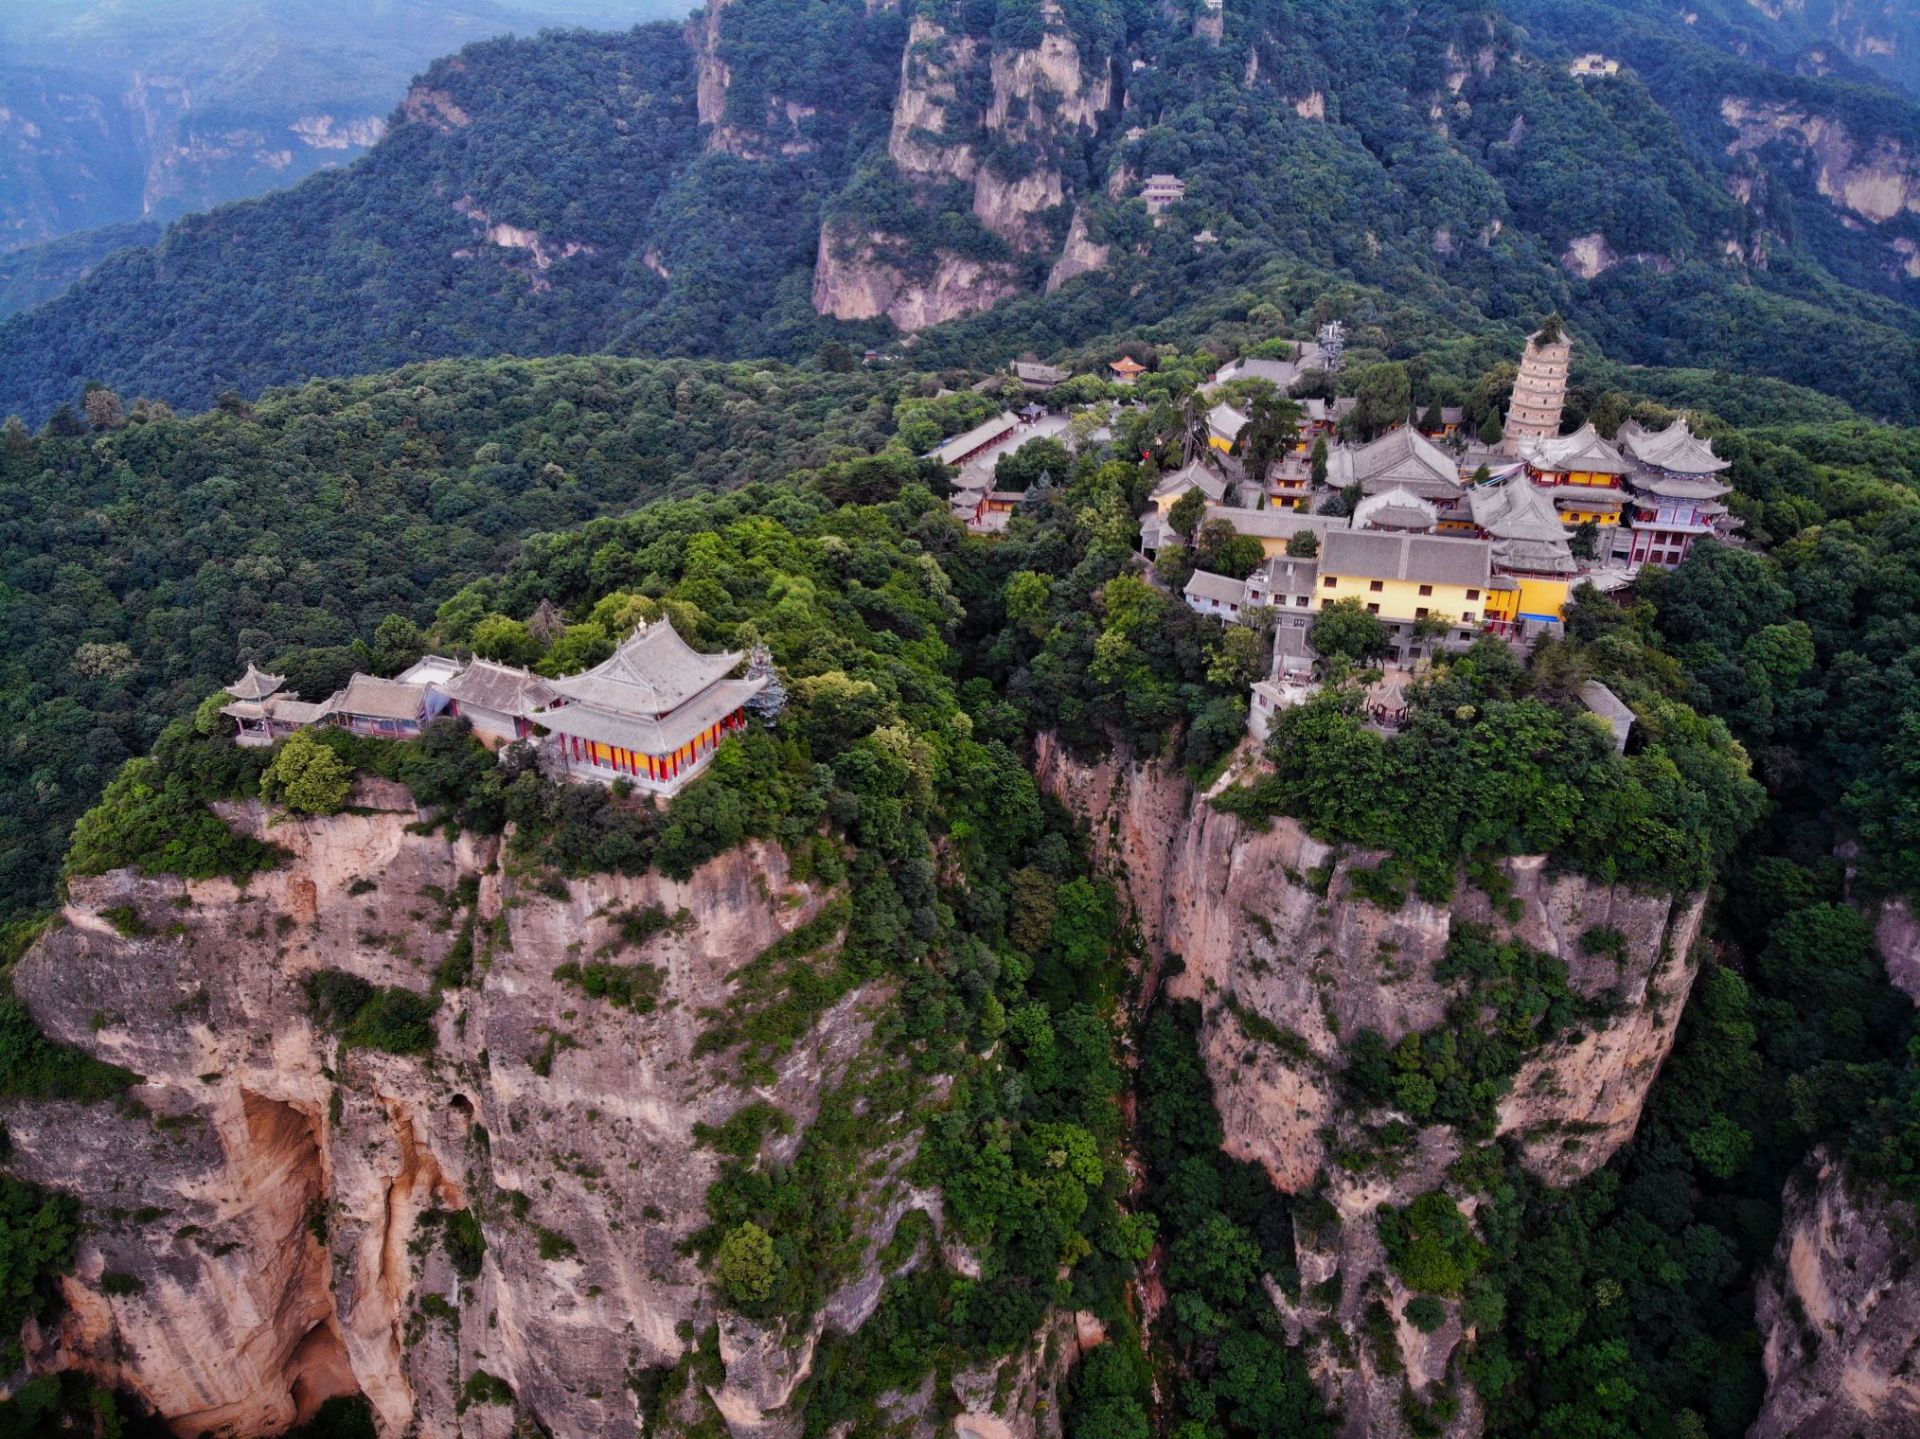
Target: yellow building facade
[{"x": 1404, "y": 578}]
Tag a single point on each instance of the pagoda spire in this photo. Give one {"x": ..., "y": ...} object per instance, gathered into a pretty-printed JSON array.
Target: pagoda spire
[{"x": 1540, "y": 389}]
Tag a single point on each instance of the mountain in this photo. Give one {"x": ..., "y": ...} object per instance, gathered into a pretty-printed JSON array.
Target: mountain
[
  {"x": 780, "y": 172},
  {"x": 966, "y": 1051},
  {"x": 1855, "y": 39},
  {"x": 35, "y": 274},
  {"x": 118, "y": 112}
]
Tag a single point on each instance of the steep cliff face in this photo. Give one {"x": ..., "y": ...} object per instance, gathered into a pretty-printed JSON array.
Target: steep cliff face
[
  {"x": 865, "y": 274},
  {"x": 928, "y": 137},
  {"x": 274, "y": 1210},
  {"x": 777, "y": 130},
  {"x": 1045, "y": 99},
  {"x": 1875, "y": 178},
  {"x": 1002, "y": 121},
  {"x": 1840, "y": 1312},
  {"x": 1288, "y": 963}
]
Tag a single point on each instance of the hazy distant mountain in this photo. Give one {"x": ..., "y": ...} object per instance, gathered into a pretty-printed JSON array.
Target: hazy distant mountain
[{"x": 120, "y": 110}]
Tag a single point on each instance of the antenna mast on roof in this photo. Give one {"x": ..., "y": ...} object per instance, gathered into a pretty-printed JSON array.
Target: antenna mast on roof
[{"x": 1333, "y": 347}]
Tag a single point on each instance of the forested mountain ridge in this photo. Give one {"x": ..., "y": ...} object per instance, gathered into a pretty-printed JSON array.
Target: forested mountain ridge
[
  {"x": 775, "y": 174},
  {"x": 139, "y": 570}
]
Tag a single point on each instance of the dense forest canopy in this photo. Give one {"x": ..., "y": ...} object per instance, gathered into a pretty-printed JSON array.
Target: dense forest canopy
[{"x": 147, "y": 565}]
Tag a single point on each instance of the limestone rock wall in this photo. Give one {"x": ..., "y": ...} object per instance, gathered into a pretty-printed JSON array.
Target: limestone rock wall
[
  {"x": 1273, "y": 938},
  {"x": 929, "y": 120},
  {"x": 1876, "y": 178},
  {"x": 1839, "y": 1311},
  {"x": 1002, "y": 122},
  {"x": 864, "y": 275},
  {"x": 269, "y": 1206}
]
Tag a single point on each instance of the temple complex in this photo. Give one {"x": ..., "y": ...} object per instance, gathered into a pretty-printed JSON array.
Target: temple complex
[
  {"x": 1540, "y": 390},
  {"x": 651, "y": 713}
]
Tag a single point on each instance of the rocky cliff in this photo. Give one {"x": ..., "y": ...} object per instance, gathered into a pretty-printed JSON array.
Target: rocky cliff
[
  {"x": 1290, "y": 962},
  {"x": 1840, "y": 1314},
  {"x": 865, "y": 274},
  {"x": 485, "y": 1235},
  {"x": 1004, "y": 122}
]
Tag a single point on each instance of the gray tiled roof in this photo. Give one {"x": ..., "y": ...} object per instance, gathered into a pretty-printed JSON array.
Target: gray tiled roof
[
  {"x": 500, "y": 688},
  {"x": 1676, "y": 487},
  {"x": 296, "y": 711},
  {"x": 1206, "y": 585},
  {"x": 1040, "y": 374},
  {"x": 653, "y": 671},
  {"x": 1401, "y": 459},
  {"x": 1426, "y": 559},
  {"x": 1584, "y": 449},
  {"x": 1271, "y": 524},
  {"x": 1287, "y": 575},
  {"x": 1515, "y": 510},
  {"x": 1197, "y": 476},
  {"x": 1675, "y": 449},
  {"x": 373, "y": 698},
  {"x": 1226, "y": 422},
  {"x": 1275, "y": 372},
  {"x": 973, "y": 439},
  {"x": 255, "y": 684},
  {"x": 645, "y": 733},
  {"x": 1395, "y": 509}
]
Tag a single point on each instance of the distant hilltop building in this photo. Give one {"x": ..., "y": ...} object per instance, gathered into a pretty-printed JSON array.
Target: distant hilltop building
[
  {"x": 1540, "y": 390},
  {"x": 1162, "y": 192},
  {"x": 1593, "y": 64}
]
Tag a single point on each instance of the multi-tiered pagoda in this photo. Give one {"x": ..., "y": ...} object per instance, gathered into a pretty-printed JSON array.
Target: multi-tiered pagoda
[
  {"x": 1540, "y": 389},
  {"x": 1676, "y": 489}
]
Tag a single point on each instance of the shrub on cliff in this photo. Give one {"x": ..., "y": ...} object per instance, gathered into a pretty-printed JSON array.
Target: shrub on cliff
[
  {"x": 38, "y": 1231},
  {"x": 747, "y": 1264},
  {"x": 1430, "y": 1244},
  {"x": 35, "y": 1067},
  {"x": 307, "y": 777},
  {"x": 368, "y": 1016},
  {"x": 154, "y": 817}
]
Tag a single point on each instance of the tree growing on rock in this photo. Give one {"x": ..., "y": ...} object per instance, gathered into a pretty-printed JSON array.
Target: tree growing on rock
[{"x": 747, "y": 1264}]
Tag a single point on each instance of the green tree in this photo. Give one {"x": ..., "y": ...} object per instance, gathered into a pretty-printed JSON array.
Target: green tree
[
  {"x": 1345, "y": 630},
  {"x": 1221, "y": 548},
  {"x": 397, "y": 643},
  {"x": 1184, "y": 514},
  {"x": 207, "y": 716},
  {"x": 747, "y": 1264},
  {"x": 306, "y": 776},
  {"x": 1303, "y": 544},
  {"x": 505, "y": 641},
  {"x": 1030, "y": 601}
]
